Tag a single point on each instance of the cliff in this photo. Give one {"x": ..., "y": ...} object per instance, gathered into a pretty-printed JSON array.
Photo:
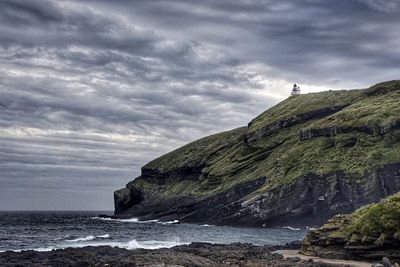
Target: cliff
[
  {"x": 370, "y": 233},
  {"x": 302, "y": 161}
]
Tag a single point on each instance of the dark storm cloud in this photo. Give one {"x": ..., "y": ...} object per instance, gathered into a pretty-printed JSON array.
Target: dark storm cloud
[
  {"x": 307, "y": 40},
  {"x": 22, "y": 13},
  {"x": 92, "y": 90}
]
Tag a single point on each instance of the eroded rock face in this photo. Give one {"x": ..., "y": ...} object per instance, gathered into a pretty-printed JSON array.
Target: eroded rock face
[
  {"x": 335, "y": 130},
  {"x": 310, "y": 200},
  {"x": 326, "y": 242},
  {"x": 329, "y": 241},
  {"x": 300, "y": 118},
  {"x": 332, "y": 131},
  {"x": 126, "y": 198},
  {"x": 313, "y": 199},
  {"x": 220, "y": 208}
]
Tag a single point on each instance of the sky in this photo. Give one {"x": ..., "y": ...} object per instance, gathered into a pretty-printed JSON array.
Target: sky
[{"x": 90, "y": 91}]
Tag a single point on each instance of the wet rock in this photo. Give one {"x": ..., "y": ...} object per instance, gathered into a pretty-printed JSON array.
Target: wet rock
[{"x": 386, "y": 262}]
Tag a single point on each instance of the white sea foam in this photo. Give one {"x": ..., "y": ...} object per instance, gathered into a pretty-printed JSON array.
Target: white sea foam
[
  {"x": 169, "y": 222},
  {"x": 148, "y": 221},
  {"x": 50, "y": 248},
  {"x": 132, "y": 244},
  {"x": 88, "y": 238},
  {"x": 152, "y": 244},
  {"x": 101, "y": 218},
  {"x": 79, "y": 239},
  {"x": 103, "y": 236},
  {"x": 206, "y": 225},
  {"x": 134, "y": 220},
  {"x": 291, "y": 228},
  {"x": 130, "y": 220}
]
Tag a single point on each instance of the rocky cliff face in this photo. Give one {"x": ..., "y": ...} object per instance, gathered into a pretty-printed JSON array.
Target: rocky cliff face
[{"x": 300, "y": 162}]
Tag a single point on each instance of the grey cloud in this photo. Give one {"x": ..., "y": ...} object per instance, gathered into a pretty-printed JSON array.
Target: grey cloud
[
  {"x": 388, "y": 6},
  {"x": 22, "y": 13},
  {"x": 295, "y": 38},
  {"x": 92, "y": 90}
]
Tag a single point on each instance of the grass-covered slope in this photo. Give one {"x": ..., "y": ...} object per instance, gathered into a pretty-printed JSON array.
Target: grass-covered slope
[
  {"x": 354, "y": 132},
  {"x": 371, "y": 232},
  {"x": 282, "y": 156},
  {"x": 300, "y": 104},
  {"x": 196, "y": 152}
]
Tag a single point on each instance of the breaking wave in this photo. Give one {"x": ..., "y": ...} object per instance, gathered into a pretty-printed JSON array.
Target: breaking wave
[
  {"x": 169, "y": 222},
  {"x": 291, "y": 228},
  {"x": 131, "y": 245},
  {"x": 88, "y": 238},
  {"x": 131, "y": 220}
]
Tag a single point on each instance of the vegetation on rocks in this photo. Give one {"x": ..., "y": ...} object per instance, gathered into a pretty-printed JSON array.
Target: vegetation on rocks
[
  {"x": 303, "y": 142},
  {"x": 376, "y": 223},
  {"x": 371, "y": 232}
]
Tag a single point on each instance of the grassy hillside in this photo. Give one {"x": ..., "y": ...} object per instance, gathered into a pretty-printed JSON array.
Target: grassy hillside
[
  {"x": 293, "y": 106},
  {"x": 196, "y": 152},
  {"x": 371, "y": 138}
]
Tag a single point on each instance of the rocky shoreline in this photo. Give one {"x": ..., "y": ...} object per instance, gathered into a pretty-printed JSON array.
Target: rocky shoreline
[
  {"x": 329, "y": 241},
  {"x": 195, "y": 254},
  {"x": 370, "y": 233}
]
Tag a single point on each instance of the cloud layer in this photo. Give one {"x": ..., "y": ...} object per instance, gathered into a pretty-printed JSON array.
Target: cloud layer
[{"x": 92, "y": 90}]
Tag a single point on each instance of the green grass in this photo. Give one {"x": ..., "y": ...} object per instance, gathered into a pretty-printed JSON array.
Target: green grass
[
  {"x": 374, "y": 111},
  {"x": 295, "y": 105},
  {"x": 376, "y": 222},
  {"x": 282, "y": 157},
  {"x": 196, "y": 152}
]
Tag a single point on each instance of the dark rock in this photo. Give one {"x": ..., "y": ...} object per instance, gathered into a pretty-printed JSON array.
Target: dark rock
[
  {"x": 294, "y": 244},
  {"x": 126, "y": 198},
  {"x": 332, "y": 131},
  {"x": 195, "y": 254},
  {"x": 335, "y": 130},
  {"x": 310, "y": 200},
  {"x": 386, "y": 262},
  {"x": 329, "y": 241}
]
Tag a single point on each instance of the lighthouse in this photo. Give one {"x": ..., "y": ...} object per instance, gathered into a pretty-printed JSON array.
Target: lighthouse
[{"x": 296, "y": 90}]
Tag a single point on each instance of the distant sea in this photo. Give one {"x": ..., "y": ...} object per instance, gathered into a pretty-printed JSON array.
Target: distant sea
[{"x": 44, "y": 231}]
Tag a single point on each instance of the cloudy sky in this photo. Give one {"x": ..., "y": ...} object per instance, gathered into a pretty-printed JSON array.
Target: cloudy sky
[{"x": 92, "y": 90}]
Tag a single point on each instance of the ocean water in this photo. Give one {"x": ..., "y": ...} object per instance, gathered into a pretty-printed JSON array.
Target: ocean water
[{"x": 44, "y": 231}]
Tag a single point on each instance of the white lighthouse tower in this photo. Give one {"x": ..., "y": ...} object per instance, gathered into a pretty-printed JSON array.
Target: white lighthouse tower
[{"x": 296, "y": 90}]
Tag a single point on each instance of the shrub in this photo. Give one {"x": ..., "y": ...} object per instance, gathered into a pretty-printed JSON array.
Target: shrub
[{"x": 379, "y": 222}]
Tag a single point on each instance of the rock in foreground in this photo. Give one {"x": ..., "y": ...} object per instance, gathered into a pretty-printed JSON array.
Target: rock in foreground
[
  {"x": 370, "y": 233},
  {"x": 195, "y": 254}
]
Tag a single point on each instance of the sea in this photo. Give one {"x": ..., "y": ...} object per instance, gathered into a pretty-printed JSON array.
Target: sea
[{"x": 48, "y": 230}]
